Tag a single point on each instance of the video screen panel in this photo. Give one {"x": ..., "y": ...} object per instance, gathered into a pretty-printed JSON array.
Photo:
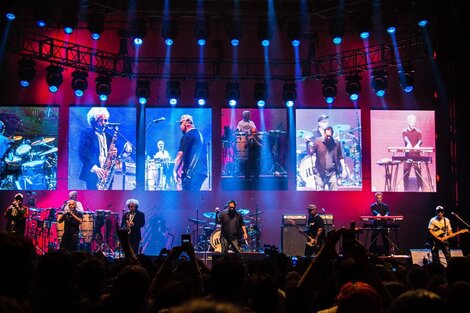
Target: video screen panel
[
  {"x": 254, "y": 149},
  {"x": 403, "y": 153},
  {"x": 331, "y": 161},
  {"x": 28, "y": 147},
  {"x": 178, "y": 149},
  {"x": 102, "y": 148}
]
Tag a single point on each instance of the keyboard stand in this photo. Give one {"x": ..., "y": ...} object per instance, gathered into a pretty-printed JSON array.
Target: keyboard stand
[{"x": 394, "y": 247}]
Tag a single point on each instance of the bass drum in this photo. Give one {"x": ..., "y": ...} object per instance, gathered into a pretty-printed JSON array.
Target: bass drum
[
  {"x": 307, "y": 172},
  {"x": 215, "y": 241}
]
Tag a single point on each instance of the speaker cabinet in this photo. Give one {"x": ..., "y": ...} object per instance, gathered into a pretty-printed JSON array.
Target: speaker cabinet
[
  {"x": 421, "y": 256},
  {"x": 293, "y": 242}
]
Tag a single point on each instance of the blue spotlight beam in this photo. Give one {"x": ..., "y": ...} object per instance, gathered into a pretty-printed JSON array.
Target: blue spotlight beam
[{"x": 72, "y": 55}]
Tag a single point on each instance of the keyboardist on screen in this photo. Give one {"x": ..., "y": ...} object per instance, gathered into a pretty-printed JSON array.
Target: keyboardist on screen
[
  {"x": 412, "y": 138},
  {"x": 379, "y": 208}
]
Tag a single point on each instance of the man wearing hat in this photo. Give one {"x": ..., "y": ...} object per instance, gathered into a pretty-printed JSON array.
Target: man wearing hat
[
  {"x": 315, "y": 231},
  {"x": 323, "y": 121},
  {"x": 191, "y": 161},
  {"x": 16, "y": 215},
  {"x": 440, "y": 228},
  {"x": 245, "y": 124}
]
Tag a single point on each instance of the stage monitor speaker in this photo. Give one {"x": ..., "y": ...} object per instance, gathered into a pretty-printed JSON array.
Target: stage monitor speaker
[
  {"x": 421, "y": 256},
  {"x": 293, "y": 241}
]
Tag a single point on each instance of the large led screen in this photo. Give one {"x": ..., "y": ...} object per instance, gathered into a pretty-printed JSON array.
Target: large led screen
[
  {"x": 28, "y": 147},
  {"x": 178, "y": 145},
  {"x": 102, "y": 148},
  {"x": 328, "y": 149},
  {"x": 254, "y": 149},
  {"x": 403, "y": 152}
]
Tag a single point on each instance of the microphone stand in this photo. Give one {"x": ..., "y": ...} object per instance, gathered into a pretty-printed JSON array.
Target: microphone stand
[{"x": 460, "y": 219}]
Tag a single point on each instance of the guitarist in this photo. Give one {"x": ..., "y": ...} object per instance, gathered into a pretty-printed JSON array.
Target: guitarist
[
  {"x": 315, "y": 231},
  {"x": 191, "y": 161},
  {"x": 439, "y": 228}
]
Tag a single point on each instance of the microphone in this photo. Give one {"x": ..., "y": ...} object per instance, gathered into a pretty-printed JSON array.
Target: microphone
[
  {"x": 453, "y": 213},
  {"x": 112, "y": 124},
  {"x": 323, "y": 210},
  {"x": 161, "y": 119}
]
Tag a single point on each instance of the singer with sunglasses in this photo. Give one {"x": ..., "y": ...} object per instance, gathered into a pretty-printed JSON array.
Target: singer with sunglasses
[
  {"x": 72, "y": 219},
  {"x": 132, "y": 221}
]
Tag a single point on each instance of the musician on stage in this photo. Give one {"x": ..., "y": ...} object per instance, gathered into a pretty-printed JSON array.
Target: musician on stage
[
  {"x": 253, "y": 146},
  {"x": 315, "y": 231},
  {"x": 133, "y": 221},
  {"x": 439, "y": 227},
  {"x": 73, "y": 195},
  {"x": 233, "y": 229},
  {"x": 72, "y": 220},
  {"x": 16, "y": 215},
  {"x": 413, "y": 139},
  {"x": 245, "y": 124},
  {"x": 379, "y": 208},
  {"x": 5, "y": 142}
]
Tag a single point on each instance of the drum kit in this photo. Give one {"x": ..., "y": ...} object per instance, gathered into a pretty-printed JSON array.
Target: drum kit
[
  {"x": 351, "y": 147},
  {"x": 209, "y": 237},
  {"x": 235, "y": 153},
  {"x": 97, "y": 232},
  {"x": 30, "y": 165},
  {"x": 159, "y": 174}
]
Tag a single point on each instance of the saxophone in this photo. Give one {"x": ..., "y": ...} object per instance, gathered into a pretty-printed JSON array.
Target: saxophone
[{"x": 109, "y": 164}]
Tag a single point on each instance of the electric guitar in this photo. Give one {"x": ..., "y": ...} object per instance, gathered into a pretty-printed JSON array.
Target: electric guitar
[
  {"x": 454, "y": 234},
  {"x": 310, "y": 240}
]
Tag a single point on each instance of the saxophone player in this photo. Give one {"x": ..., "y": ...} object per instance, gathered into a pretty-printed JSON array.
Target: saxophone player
[
  {"x": 72, "y": 219},
  {"x": 95, "y": 148},
  {"x": 16, "y": 215},
  {"x": 132, "y": 221}
]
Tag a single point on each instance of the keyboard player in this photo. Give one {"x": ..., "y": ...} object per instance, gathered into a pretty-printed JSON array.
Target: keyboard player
[
  {"x": 413, "y": 139},
  {"x": 378, "y": 208}
]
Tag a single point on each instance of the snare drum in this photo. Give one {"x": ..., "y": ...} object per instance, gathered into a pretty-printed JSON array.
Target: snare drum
[
  {"x": 86, "y": 227},
  {"x": 33, "y": 168},
  {"x": 308, "y": 172},
  {"x": 215, "y": 241}
]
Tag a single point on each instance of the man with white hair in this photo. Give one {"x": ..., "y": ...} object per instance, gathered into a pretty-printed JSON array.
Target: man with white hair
[
  {"x": 73, "y": 195},
  {"x": 132, "y": 221},
  {"x": 245, "y": 124},
  {"x": 191, "y": 161},
  {"x": 94, "y": 147}
]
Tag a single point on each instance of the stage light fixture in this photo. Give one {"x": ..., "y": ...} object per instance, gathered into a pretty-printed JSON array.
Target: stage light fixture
[
  {"x": 173, "y": 91},
  {"x": 26, "y": 71},
  {"x": 235, "y": 32},
  {"x": 138, "y": 31},
  {"x": 54, "y": 77},
  {"x": 337, "y": 27},
  {"x": 201, "y": 92},
  {"x": 42, "y": 12},
  {"x": 69, "y": 17},
  {"x": 265, "y": 32},
  {"x": 142, "y": 91},
  {"x": 329, "y": 89},
  {"x": 363, "y": 21},
  {"x": 406, "y": 76},
  {"x": 379, "y": 81},
  {"x": 79, "y": 82},
  {"x": 95, "y": 24},
  {"x": 103, "y": 86},
  {"x": 169, "y": 31},
  {"x": 201, "y": 32},
  {"x": 289, "y": 94},
  {"x": 10, "y": 9},
  {"x": 232, "y": 93},
  {"x": 390, "y": 16},
  {"x": 353, "y": 86},
  {"x": 422, "y": 9},
  {"x": 260, "y": 94},
  {"x": 294, "y": 32}
]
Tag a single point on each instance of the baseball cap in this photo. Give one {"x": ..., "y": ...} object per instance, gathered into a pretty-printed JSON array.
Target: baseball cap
[
  {"x": 439, "y": 208},
  {"x": 323, "y": 117}
]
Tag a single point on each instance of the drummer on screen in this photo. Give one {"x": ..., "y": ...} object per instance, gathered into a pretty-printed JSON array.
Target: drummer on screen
[{"x": 245, "y": 124}]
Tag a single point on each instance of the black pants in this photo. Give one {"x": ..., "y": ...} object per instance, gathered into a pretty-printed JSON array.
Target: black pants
[
  {"x": 373, "y": 246},
  {"x": 227, "y": 244},
  {"x": 69, "y": 242},
  {"x": 438, "y": 245},
  {"x": 195, "y": 183}
]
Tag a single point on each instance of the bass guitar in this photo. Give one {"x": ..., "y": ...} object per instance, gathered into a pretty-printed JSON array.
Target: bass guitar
[{"x": 311, "y": 242}]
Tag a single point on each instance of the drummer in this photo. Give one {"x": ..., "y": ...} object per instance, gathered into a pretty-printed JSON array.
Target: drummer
[
  {"x": 162, "y": 155},
  {"x": 73, "y": 195},
  {"x": 5, "y": 143},
  {"x": 245, "y": 124}
]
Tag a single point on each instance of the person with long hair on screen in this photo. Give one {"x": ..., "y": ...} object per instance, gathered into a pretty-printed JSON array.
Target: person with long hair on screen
[{"x": 191, "y": 161}]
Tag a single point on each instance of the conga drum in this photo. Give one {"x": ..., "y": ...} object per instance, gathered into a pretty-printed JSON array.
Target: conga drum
[{"x": 59, "y": 226}]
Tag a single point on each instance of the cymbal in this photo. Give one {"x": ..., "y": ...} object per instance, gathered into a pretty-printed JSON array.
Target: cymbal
[
  {"x": 341, "y": 128},
  {"x": 35, "y": 209},
  {"x": 239, "y": 133},
  {"x": 243, "y": 211},
  {"x": 300, "y": 133},
  {"x": 43, "y": 141},
  {"x": 210, "y": 215},
  {"x": 276, "y": 132},
  {"x": 15, "y": 138},
  {"x": 357, "y": 128},
  {"x": 195, "y": 221},
  {"x": 48, "y": 151},
  {"x": 256, "y": 213}
]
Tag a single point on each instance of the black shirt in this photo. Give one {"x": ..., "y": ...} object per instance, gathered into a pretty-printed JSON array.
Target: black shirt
[
  {"x": 193, "y": 148},
  {"x": 231, "y": 224},
  {"x": 382, "y": 209},
  {"x": 313, "y": 224},
  {"x": 71, "y": 225}
]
